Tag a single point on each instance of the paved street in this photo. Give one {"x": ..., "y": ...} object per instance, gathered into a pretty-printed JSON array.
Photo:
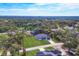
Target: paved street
[{"x": 38, "y": 47}]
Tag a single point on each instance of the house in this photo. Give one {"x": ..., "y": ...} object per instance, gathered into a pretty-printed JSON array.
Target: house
[{"x": 42, "y": 37}]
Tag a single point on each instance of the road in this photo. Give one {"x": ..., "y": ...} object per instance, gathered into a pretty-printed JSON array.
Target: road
[{"x": 38, "y": 47}]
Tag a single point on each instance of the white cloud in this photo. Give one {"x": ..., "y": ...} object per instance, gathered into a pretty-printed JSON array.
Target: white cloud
[
  {"x": 41, "y": 4},
  {"x": 60, "y": 10},
  {"x": 71, "y": 6}
]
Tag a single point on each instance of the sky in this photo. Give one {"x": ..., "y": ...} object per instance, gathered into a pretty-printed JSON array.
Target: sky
[{"x": 39, "y": 9}]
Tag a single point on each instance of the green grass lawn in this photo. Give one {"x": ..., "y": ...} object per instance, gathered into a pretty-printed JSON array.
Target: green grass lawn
[
  {"x": 30, "y": 41},
  {"x": 32, "y": 53}
]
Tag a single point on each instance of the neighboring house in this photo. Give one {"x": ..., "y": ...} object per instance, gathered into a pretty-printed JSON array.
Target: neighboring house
[
  {"x": 69, "y": 27},
  {"x": 35, "y": 32},
  {"x": 28, "y": 32},
  {"x": 54, "y": 30},
  {"x": 49, "y": 53},
  {"x": 55, "y": 53},
  {"x": 72, "y": 52},
  {"x": 12, "y": 33}
]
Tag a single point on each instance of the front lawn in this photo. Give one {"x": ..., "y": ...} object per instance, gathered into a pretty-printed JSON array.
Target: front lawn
[{"x": 31, "y": 41}]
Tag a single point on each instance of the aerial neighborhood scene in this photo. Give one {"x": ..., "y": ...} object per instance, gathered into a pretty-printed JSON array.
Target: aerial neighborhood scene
[{"x": 37, "y": 29}]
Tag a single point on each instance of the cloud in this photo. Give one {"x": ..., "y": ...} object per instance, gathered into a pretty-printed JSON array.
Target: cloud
[
  {"x": 41, "y": 4},
  {"x": 41, "y": 9},
  {"x": 70, "y": 6}
]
